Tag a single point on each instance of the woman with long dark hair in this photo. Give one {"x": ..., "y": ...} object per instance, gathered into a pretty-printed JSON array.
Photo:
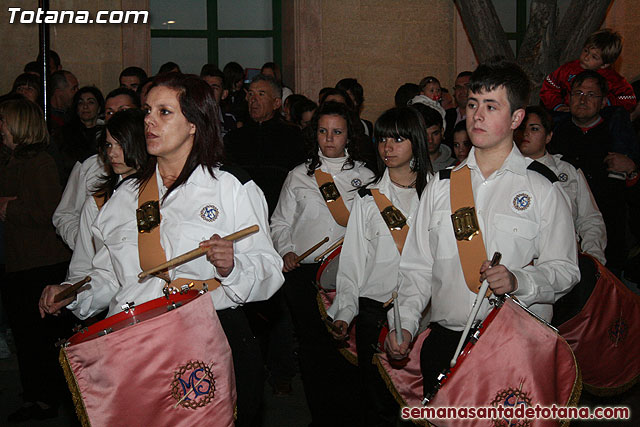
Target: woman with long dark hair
[
  {"x": 380, "y": 218},
  {"x": 199, "y": 200},
  {"x": 302, "y": 218}
]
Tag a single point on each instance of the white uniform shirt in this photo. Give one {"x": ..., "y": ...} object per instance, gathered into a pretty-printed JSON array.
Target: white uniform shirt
[
  {"x": 302, "y": 217},
  {"x": 587, "y": 218},
  {"x": 520, "y": 213},
  {"x": 369, "y": 258},
  {"x": 196, "y": 210},
  {"x": 80, "y": 186}
]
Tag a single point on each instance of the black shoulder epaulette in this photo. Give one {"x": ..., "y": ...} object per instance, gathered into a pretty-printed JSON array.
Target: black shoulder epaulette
[
  {"x": 445, "y": 173},
  {"x": 543, "y": 170},
  {"x": 363, "y": 191},
  {"x": 240, "y": 174}
]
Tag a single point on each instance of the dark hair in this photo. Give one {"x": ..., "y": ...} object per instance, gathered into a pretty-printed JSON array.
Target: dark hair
[
  {"x": 354, "y": 139},
  {"x": 199, "y": 107},
  {"x": 460, "y": 126},
  {"x": 330, "y": 91},
  {"x": 299, "y": 108},
  {"x": 406, "y": 123},
  {"x": 429, "y": 79},
  {"x": 275, "y": 86},
  {"x": 464, "y": 74},
  {"x": 590, "y": 74},
  {"x": 127, "y": 128},
  {"x": 498, "y": 72},
  {"x": 545, "y": 118},
  {"x": 608, "y": 41},
  {"x": 406, "y": 93},
  {"x": 33, "y": 67},
  {"x": 135, "y": 99},
  {"x": 169, "y": 67},
  {"x": 430, "y": 115},
  {"x": 276, "y": 70},
  {"x": 52, "y": 55},
  {"x": 27, "y": 79},
  {"x": 233, "y": 73},
  {"x": 352, "y": 85},
  {"x": 135, "y": 72},
  {"x": 211, "y": 70},
  {"x": 88, "y": 89}
]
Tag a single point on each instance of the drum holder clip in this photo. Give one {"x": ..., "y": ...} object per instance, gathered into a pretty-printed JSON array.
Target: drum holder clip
[{"x": 128, "y": 306}]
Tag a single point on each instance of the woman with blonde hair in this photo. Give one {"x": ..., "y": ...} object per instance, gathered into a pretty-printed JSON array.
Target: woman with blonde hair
[{"x": 29, "y": 193}]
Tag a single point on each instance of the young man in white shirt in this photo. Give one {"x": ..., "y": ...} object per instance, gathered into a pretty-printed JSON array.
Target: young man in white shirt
[{"x": 521, "y": 213}]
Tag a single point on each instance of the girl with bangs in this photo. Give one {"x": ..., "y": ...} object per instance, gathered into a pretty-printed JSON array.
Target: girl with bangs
[{"x": 370, "y": 255}]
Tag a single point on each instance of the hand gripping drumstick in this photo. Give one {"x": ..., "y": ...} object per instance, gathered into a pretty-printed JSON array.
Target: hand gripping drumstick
[
  {"x": 396, "y": 318},
  {"x": 474, "y": 310},
  {"x": 329, "y": 249},
  {"x": 311, "y": 250},
  {"x": 199, "y": 251},
  {"x": 71, "y": 290}
]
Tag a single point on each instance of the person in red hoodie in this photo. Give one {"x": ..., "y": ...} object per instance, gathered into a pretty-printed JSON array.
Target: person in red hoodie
[{"x": 600, "y": 51}]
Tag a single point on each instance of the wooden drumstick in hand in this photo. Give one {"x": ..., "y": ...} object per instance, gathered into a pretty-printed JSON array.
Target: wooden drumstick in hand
[
  {"x": 199, "y": 251},
  {"x": 329, "y": 249},
  {"x": 396, "y": 318},
  {"x": 311, "y": 250},
  {"x": 71, "y": 290}
]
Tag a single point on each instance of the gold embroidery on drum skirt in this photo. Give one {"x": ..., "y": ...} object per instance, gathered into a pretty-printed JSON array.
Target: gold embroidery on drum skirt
[
  {"x": 512, "y": 398},
  {"x": 193, "y": 385}
]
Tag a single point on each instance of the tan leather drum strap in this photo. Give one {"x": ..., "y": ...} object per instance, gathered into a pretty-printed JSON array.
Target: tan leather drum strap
[
  {"x": 472, "y": 252},
  {"x": 337, "y": 207},
  {"x": 399, "y": 236},
  {"x": 150, "y": 250}
]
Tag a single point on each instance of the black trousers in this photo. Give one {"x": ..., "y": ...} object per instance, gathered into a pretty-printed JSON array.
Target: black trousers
[
  {"x": 247, "y": 363},
  {"x": 379, "y": 408},
  {"x": 436, "y": 353},
  {"x": 40, "y": 373},
  {"x": 330, "y": 381}
]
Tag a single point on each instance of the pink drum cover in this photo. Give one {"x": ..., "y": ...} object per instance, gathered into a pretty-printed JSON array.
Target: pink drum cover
[
  {"x": 137, "y": 375},
  {"x": 605, "y": 336},
  {"x": 517, "y": 361}
]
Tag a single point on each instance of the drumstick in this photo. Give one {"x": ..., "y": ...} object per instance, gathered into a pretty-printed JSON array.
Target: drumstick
[
  {"x": 311, "y": 250},
  {"x": 474, "y": 310},
  {"x": 331, "y": 326},
  {"x": 199, "y": 251},
  {"x": 396, "y": 318},
  {"x": 71, "y": 290},
  {"x": 389, "y": 301},
  {"x": 332, "y": 247}
]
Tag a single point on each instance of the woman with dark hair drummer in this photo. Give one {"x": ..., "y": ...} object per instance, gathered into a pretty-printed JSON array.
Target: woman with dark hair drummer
[
  {"x": 314, "y": 203},
  {"x": 199, "y": 201},
  {"x": 380, "y": 218}
]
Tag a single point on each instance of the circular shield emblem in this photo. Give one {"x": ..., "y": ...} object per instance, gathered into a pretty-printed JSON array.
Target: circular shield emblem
[
  {"x": 563, "y": 177},
  {"x": 209, "y": 213},
  {"x": 521, "y": 202},
  {"x": 193, "y": 385},
  {"x": 356, "y": 182},
  {"x": 511, "y": 398}
]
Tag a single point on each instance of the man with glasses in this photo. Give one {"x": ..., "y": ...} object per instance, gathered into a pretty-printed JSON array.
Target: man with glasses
[
  {"x": 455, "y": 115},
  {"x": 605, "y": 148}
]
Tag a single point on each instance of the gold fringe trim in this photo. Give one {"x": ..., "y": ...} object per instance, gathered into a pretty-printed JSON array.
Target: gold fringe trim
[
  {"x": 350, "y": 356},
  {"x": 393, "y": 390},
  {"x": 78, "y": 402},
  {"x": 611, "y": 391}
]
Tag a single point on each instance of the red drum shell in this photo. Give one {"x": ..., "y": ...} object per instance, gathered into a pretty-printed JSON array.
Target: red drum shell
[
  {"x": 326, "y": 275},
  {"x": 138, "y": 314}
]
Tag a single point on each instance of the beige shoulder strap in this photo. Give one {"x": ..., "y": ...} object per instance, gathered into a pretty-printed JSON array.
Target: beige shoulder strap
[
  {"x": 470, "y": 243},
  {"x": 392, "y": 216},
  {"x": 332, "y": 197},
  {"x": 150, "y": 251}
]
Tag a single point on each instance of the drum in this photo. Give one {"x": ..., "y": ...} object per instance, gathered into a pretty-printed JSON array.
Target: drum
[
  {"x": 164, "y": 362},
  {"x": 326, "y": 281},
  {"x": 513, "y": 359},
  {"x": 600, "y": 319}
]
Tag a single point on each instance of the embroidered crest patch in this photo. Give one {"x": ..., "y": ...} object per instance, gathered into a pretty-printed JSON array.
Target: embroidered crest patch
[
  {"x": 618, "y": 331},
  {"x": 356, "y": 182},
  {"x": 511, "y": 398},
  {"x": 521, "y": 201},
  {"x": 563, "y": 177},
  {"x": 209, "y": 213},
  {"x": 193, "y": 385}
]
